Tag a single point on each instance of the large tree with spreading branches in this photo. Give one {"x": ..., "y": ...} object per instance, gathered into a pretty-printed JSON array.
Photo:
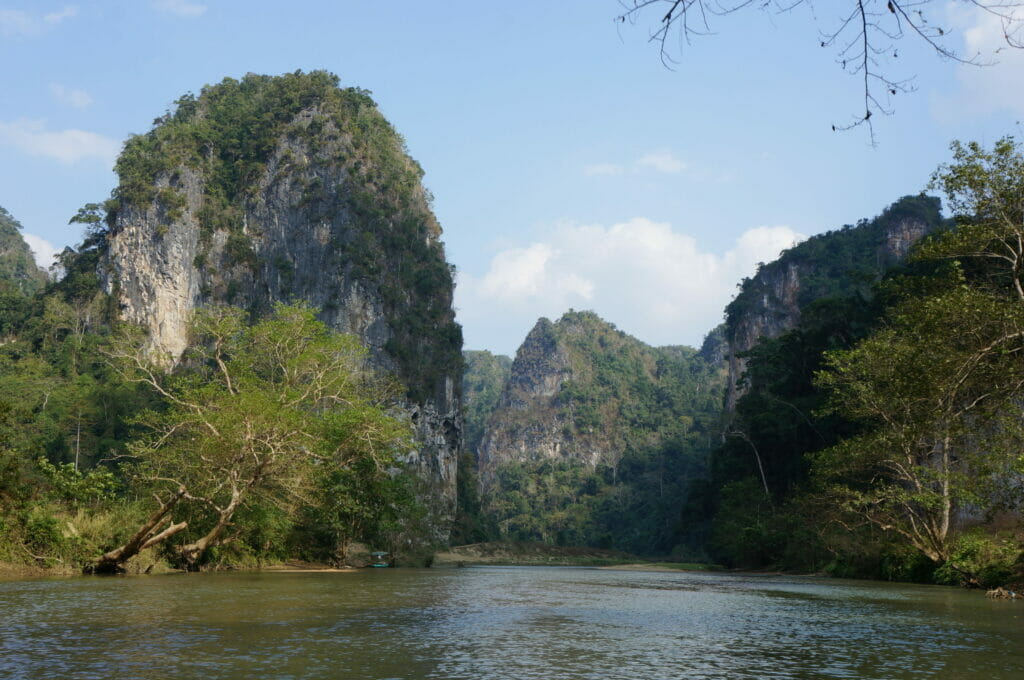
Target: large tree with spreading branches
[{"x": 262, "y": 414}]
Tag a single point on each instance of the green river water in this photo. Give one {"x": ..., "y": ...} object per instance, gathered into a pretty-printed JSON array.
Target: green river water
[{"x": 502, "y": 622}]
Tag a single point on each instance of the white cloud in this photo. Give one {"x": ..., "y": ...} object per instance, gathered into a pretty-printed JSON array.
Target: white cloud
[
  {"x": 602, "y": 169},
  {"x": 182, "y": 8},
  {"x": 19, "y": 22},
  {"x": 517, "y": 273},
  {"x": 79, "y": 99},
  {"x": 661, "y": 161},
  {"x": 42, "y": 250},
  {"x": 647, "y": 278},
  {"x": 997, "y": 86},
  {"x": 66, "y": 146},
  {"x": 68, "y": 12}
]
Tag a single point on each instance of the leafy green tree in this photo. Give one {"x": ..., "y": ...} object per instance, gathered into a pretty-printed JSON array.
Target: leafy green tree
[
  {"x": 19, "y": 275},
  {"x": 934, "y": 394},
  {"x": 938, "y": 390},
  {"x": 259, "y": 415},
  {"x": 985, "y": 191}
]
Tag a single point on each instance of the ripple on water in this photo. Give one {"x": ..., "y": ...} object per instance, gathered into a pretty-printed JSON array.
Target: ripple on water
[{"x": 501, "y": 623}]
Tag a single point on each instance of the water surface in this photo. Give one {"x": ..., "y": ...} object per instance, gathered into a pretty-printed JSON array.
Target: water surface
[{"x": 495, "y": 622}]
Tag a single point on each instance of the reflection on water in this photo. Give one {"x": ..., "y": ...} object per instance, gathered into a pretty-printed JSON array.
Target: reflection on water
[{"x": 521, "y": 623}]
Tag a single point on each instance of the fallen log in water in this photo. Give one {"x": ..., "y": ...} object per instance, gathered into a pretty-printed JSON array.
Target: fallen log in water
[{"x": 1004, "y": 594}]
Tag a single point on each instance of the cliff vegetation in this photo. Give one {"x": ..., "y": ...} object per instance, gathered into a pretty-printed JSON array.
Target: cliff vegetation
[
  {"x": 880, "y": 435},
  {"x": 19, "y": 274},
  {"x": 112, "y": 457},
  {"x": 328, "y": 157},
  {"x": 595, "y": 437}
]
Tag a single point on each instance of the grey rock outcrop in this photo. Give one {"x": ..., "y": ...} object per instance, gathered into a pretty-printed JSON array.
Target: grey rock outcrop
[
  {"x": 835, "y": 263},
  {"x": 583, "y": 392},
  {"x": 528, "y": 423}
]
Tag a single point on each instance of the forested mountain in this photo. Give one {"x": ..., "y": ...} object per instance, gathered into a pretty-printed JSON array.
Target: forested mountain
[
  {"x": 879, "y": 436},
  {"x": 289, "y": 188},
  {"x": 18, "y": 270},
  {"x": 583, "y": 397},
  {"x": 595, "y": 437},
  {"x": 872, "y": 429},
  {"x": 253, "y": 194},
  {"x": 255, "y": 344}
]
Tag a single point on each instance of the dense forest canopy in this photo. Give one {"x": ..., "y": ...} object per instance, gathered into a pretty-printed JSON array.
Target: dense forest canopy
[{"x": 888, "y": 420}]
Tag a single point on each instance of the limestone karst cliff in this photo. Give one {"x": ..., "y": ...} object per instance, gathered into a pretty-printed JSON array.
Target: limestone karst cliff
[
  {"x": 17, "y": 266},
  {"x": 292, "y": 188},
  {"x": 529, "y": 422},
  {"x": 596, "y": 437},
  {"x": 838, "y": 262},
  {"x": 581, "y": 390}
]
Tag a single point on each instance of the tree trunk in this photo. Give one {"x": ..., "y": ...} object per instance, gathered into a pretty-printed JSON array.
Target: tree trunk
[
  {"x": 191, "y": 552},
  {"x": 146, "y": 537}
]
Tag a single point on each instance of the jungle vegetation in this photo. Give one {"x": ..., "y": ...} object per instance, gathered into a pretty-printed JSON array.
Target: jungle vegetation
[{"x": 888, "y": 421}]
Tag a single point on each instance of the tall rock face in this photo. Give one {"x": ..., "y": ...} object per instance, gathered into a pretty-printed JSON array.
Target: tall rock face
[
  {"x": 290, "y": 188},
  {"x": 836, "y": 263},
  {"x": 18, "y": 269},
  {"x": 528, "y": 422},
  {"x": 582, "y": 391},
  {"x": 597, "y": 436}
]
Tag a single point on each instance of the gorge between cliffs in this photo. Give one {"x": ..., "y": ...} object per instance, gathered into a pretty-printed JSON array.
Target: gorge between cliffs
[{"x": 253, "y": 358}]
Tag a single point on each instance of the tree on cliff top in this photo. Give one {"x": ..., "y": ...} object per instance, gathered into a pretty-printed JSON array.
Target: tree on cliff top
[{"x": 263, "y": 413}]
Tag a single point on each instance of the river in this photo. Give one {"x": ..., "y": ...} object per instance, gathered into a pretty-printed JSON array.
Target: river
[{"x": 502, "y": 622}]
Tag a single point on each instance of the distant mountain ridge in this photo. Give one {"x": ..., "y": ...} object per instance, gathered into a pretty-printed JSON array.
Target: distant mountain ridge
[{"x": 595, "y": 436}]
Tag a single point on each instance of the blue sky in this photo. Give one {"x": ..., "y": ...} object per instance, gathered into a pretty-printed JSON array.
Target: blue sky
[{"x": 569, "y": 167}]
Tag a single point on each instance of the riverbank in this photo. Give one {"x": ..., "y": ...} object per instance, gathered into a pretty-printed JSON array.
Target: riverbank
[
  {"x": 523, "y": 554},
  {"x": 301, "y": 567},
  {"x": 12, "y": 571},
  {"x": 665, "y": 566}
]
